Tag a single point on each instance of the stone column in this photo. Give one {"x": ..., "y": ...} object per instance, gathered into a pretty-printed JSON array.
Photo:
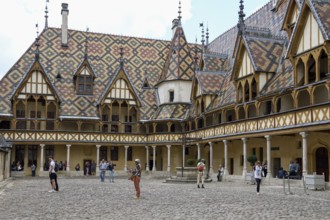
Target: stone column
[
  {"x": 211, "y": 171},
  {"x": 41, "y": 166},
  {"x": 198, "y": 151},
  {"x": 68, "y": 157},
  {"x": 126, "y": 147},
  {"x": 225, "y": 142},
  {"x": 98, "y": 158},
  {"x": 183, "y": 154},
  {"x": 154, "y": 158},
  {"x": 168, "y": 159},
  {"x": 147, "y": 156},
  {"x": 304, "y": 153},
  {"x": 7, "y": 164},
  {"x": 244, "y": 156},
  {"x": 269, "y": 158}
]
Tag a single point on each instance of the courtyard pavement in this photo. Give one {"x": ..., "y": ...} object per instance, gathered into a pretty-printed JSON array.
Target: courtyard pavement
[{"x": 88, "y": 198}]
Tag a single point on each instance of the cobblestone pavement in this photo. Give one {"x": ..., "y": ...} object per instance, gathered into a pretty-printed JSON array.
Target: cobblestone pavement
[{"x": 88, "y": 198}]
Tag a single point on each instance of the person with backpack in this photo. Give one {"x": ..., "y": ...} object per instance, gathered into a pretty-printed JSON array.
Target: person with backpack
[{"x": 200, "y": 172}]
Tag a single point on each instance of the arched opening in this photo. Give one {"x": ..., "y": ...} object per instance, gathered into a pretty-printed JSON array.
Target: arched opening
[
  {"x": 320, "y": 94},
  {"x": 240, "y": 93},
  {"x": 230, "y": 115},
  {"x": 252, "y": 111},
  {"x": 241, "y": 113},
  {"x": 300, "y": 73},
  {"x": 303, "y": 99},
  {"x": 284, "y": 103},
  {"x": 246, "y": 92},
  {"x": 254, "y": 89},
  {"x": 161, "y": 128},
  {"x": 266, "y": 108},
  {"x": 202, "y": 106},
  {"x": 323, "y": 65},
  {"x": 311, "y": 69},
  {"x": 322, "y": 162}
]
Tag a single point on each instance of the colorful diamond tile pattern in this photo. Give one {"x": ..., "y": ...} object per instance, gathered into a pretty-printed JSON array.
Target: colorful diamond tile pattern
[{"x": 322, "y": 8}]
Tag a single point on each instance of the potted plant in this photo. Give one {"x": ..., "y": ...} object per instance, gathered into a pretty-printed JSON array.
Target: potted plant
[
  {"x": 191, "y": 162},
  {"x": 252, "y": 159}
]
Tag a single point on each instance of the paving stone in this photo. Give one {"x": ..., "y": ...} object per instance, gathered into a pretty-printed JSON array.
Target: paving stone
[{"x": 88, "y": 198}]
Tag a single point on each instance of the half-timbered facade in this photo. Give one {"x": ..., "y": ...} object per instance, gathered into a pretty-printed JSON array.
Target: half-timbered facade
[{"x": 260, "y": 88}]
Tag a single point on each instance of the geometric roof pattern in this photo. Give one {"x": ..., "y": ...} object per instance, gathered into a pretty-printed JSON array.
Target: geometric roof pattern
[
  {"x": 265, "y": 53},
  {"x": 171, "y": 111},
  {"x": 322, "y": 9},
  {"x": 210, "y": 82},
  {"x": 214, "y": 62},
  {"x": 179, "y": 63}
]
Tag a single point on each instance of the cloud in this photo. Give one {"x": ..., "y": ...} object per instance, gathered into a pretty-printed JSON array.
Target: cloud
[{"x": 141, "y": 18}]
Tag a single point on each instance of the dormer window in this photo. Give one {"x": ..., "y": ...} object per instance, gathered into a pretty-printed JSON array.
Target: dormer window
[
  {"x": 84, "y": 85},
  {"x": 171, "y": 95}
]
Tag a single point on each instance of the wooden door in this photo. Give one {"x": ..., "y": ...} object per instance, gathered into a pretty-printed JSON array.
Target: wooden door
[
  {"x": 276, "y": 166},
  {"x": 90, "y": 167},
  {"x": 322, "y": 162}
]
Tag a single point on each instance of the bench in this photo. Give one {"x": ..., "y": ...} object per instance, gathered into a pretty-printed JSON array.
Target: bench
[{"x": 314, "y": 181}]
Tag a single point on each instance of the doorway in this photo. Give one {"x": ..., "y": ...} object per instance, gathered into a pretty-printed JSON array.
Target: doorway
[
  {"x": 231, "y": 167},
  {"x": 87, "y": 163},
  {"x": 276, "y": 166},
  {"x": 322, "y": 162}
]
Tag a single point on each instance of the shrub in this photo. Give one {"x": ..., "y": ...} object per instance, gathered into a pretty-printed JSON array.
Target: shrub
[
  {"x": 191, "y": 162},
  {"x": 252, "y": 159}
]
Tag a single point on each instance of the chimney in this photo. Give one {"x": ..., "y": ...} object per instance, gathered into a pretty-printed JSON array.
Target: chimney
[
  {"x": 65, "y": 13},
  {"x": 175, "y": 24}
]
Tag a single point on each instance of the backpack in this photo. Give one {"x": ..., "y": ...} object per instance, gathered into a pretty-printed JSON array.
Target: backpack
[
  {"x": 200, "y": 167},
  {"x": 56, "y": 168}
]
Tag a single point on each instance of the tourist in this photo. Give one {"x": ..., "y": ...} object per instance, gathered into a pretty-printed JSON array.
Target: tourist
[
  {"x": 136, "y": 177},
  {"x": 111, "y": 172},
  {"x": 52, "y": 175},
  {"x": 87, "y": 165},
  {"x": 220, "y": 173},
  {"x": 77, "y": 167},
  {"x": 257, "y": 175},
  {"x": 103, "y": 168},
  {"x": 93, "y": 167},
  {"x": 200, "y": 172},
  {"x": 264, "y": 169},
  {"x": 33, "y": 169}
]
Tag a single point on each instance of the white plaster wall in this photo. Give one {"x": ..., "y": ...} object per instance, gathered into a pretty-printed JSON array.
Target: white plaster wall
[{"x": 182, "y": 91}]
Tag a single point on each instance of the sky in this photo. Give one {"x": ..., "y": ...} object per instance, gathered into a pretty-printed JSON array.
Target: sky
[{"x": 138, "y": 18}]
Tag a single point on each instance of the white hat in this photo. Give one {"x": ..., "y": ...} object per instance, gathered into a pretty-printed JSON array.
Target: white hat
[{"x": 137, "y": 160}]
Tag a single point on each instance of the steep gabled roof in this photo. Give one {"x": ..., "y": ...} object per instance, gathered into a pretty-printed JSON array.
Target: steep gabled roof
[
  {"x": 120, "y": 73},
  {"x": 210, "y": 82},
  {"x": 171, "y": 112},
  {"x": 179, "y": 63},
  {"x": 320, "y": 10},
  {"x": 86, "y": 63},
  {"x": 36, "y": 65}
]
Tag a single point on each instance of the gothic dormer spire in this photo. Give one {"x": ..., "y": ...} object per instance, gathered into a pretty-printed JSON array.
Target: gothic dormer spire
[
  {"x": 46, "y": 15},
  {"x": 179, "y": 17},
  {"x": 241, "y": 15},
  {"x": 207, "y": 35},
  {"x": 37, "y": 44},
  {"x": 203, "y": 39},
  {"x": 86, "y": 44},
  {"x": 195, "y": 57},
  {"x": 121, "y": 53}
]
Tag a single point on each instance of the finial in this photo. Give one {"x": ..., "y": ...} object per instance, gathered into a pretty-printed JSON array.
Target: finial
[
  {"x": 179, "y": 17},
  {"x": 207, "y": 35},
  {"x": 195, "y": 57},
  {"x": 121, "y": 53},
  {"x": 202, "y": 26},
  {"x": 241, "y": 15},
  {"x": 46, "y": 15},
  {"x": 37, "y": 44},
  {"x": 86, "y": 43}
]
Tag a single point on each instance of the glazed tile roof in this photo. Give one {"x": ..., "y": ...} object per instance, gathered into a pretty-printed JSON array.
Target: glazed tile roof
[
  {"x": 210, "y": 82},
  {"x": 171, "y": 111},
  {"x": 322, "y": 9},
  {"x": 215, "y": 62},
  {"x": 265, "y": 53},
  {"x": 179, "y": 63},
  {"x": 226, "y": 96},
  {"x": 143, "y": 58}
]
